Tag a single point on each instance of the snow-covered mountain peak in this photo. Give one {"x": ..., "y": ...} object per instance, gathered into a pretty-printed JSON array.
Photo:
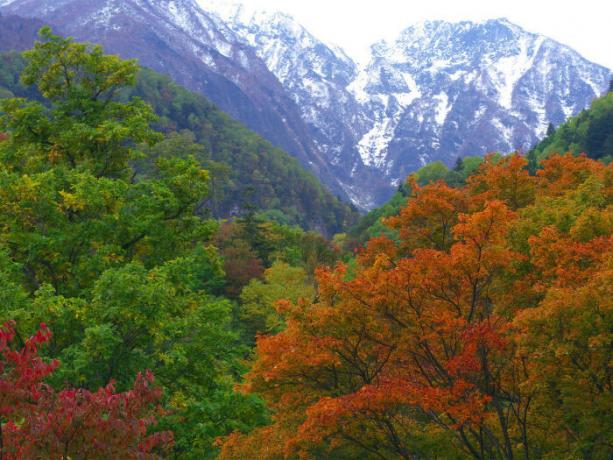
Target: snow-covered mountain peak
[
  {"x": 275, "y": 25},
  {"x": 459, "y": 42},
  {"x": 489, "y": 78},
  {"x": 437, "y": 91}
]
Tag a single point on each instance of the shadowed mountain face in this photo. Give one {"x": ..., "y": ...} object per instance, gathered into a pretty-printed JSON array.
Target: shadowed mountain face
[
  {"x": 439, "y": 91},
  {"x": 247, "y": 171},
  {"x": 179, "y": 39},
  {"x": 18, "y": 34}
]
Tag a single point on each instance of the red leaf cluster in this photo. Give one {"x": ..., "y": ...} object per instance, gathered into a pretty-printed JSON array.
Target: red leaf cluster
[{"x": 36, "y": 421}]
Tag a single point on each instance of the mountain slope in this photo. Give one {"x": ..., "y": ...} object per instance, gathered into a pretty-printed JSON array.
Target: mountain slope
[
  {"x": 439, "y": 91},
  {"x": 246, "y": 169},
  {"x": 590, "y": 132},
  {"x": 317, "y": 76},
  {"x": 18, "y": 33},
  {"x": 179, "y": 39},
  {"x": 472, "y": 87}
]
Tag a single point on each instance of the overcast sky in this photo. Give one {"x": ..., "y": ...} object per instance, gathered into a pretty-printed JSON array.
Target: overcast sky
[{"x": 585, "y": 25}]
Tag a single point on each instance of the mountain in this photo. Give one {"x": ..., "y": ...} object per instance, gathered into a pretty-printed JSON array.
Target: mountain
[
  {"x": 181, "y": 40},
  {"x": 439, "y": 91},
  {"x": 246, "y": 170},
  {"x": 18, "y": 33},
  {"x": 318, "y": 77},
  {"x": 444, "y": 90}
]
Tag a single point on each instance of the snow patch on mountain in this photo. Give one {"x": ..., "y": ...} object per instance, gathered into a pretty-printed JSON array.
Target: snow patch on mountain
[
  {"x": 373, "y": 144},
  {"x": 438, "y": 91},
  {"x": 442, "y": 108},
  {"x": 104, "y": 16},
  {"x": 509, "y": 69}
]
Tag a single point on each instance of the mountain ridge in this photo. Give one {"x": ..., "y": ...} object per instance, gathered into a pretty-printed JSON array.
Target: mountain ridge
[
  {"x": 388, "y": 96},
  {"x": 247, "y": 172},
  {"x": 439, "y": 91}
]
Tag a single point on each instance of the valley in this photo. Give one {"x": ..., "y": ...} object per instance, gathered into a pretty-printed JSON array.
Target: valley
[{"x": 224, "y": 239}]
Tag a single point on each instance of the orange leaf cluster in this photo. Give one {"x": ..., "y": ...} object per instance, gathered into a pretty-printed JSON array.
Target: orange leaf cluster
[{"x": 476, "y": 335}]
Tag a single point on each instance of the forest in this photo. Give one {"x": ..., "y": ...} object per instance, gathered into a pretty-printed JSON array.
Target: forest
[
  {"x": 163, "y": 296},
  {"x": 245, "y": 170}
]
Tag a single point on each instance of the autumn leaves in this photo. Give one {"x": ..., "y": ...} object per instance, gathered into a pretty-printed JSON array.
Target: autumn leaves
[{"x": 476, "y": 334}]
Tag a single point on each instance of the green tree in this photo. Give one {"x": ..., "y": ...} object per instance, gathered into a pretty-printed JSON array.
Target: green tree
[
  {"x": 84, "y": 126},
  {"x": 431, "y": 172},
  {"x": 115, "y": 260},
  {"x": 70, "y": 205},
  {"x": 459, "y": 164},
  {"x": 590, "y": 132},
  {"x": 257, "y": 309}
]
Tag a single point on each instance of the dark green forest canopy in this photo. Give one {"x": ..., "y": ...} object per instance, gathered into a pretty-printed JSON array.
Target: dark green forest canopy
[
  {"x": 590, "y": 132},
  {"x": 247, "y": 172}
]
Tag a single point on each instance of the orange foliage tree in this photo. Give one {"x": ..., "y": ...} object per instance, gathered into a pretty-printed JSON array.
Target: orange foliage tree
[{"x": 477, "y": 335}]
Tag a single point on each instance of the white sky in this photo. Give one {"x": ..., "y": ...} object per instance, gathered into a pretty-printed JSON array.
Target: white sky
[{"x": 585, "y": 25}]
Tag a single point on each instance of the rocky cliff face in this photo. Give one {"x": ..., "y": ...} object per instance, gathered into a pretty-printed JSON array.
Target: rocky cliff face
[
  {"x": 439, "y": 91},
  {"x": 444, "y": 90}
]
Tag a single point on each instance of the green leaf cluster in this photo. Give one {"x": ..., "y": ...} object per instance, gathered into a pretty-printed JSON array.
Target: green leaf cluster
[
  {"x": 246, "y": 172},
  {"x": 101, "y": 238},
  {"x": 590, "y": 132}
]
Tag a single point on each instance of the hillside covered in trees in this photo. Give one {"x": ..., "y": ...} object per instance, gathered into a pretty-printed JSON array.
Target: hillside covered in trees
[
  {"x": 110, "y": 264},
  {"x": 590, "y": 132},
  {"x": 470, "y": 318},
  {"x": 246, "y": 171}
]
